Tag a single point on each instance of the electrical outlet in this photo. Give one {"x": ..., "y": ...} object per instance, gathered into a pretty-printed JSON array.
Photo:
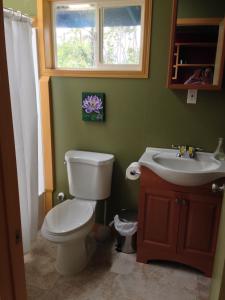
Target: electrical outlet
[{"x": 192, "y": 96}]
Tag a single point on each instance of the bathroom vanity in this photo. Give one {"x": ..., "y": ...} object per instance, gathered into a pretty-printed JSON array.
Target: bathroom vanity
[{"x": 176, "y": 222}]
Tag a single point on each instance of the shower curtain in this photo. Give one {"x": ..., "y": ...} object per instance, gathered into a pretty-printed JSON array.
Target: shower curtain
[{"x": 18, "y": 34}]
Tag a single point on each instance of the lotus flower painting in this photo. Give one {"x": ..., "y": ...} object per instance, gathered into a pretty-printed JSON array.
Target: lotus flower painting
[{"x": 93, "y": 107}]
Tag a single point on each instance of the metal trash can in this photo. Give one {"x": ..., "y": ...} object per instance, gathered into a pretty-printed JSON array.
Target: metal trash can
[{"x": 126, "y": 243}]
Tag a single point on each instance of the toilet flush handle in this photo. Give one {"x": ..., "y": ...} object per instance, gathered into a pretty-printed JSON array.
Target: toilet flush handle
[{"x": 61, "y": 197}]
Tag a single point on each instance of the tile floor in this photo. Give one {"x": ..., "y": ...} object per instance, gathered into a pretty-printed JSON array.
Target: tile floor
[{"x": 111, "y": 276}]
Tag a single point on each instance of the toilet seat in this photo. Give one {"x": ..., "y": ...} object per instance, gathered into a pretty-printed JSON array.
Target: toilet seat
[{"x": 68, "y": 217}]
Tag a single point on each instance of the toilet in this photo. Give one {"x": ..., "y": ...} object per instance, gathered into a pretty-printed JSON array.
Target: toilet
[{"x": 69, "y": 224}]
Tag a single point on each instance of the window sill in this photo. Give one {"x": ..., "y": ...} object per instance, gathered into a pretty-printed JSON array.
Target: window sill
[{"x": 95, "y": 73}]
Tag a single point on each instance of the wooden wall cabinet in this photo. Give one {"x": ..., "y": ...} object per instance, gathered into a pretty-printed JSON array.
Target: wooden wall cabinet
[
  {"x": 197, "y": 51},
  {"x": 177, "y": 223}
]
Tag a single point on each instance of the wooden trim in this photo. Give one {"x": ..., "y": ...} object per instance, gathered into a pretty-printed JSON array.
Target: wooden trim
[
  {"x": 194, "y": 65},
  {"x": 199, "y": 21},
  {"x": 222, "y": 289},
  {"x": 197, "y": 44},
  {"x": 206, "y": 87},
  {"x": 46, "y": 51},
  {"x": 6, "y": 279},
  {"x": 40, "y": 35},
  {"x": 47, "y": 133},
  {"x": 220, "y": 55},
  {"x": 48, "y": 201},
  {"x": 44, "y": 34},
  {"x": 95, "y": 74},
  {"x": 12, "y": 277},
  {"x": 34, "y": 22}
]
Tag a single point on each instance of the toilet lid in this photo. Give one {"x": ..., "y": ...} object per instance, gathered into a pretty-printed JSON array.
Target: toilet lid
[
  {"x": 68, "y": 216},
  {"x": 91, "y": 158}
]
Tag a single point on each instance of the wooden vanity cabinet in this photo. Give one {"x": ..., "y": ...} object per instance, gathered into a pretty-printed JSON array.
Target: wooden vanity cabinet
[{"x": 177, "y": 223}]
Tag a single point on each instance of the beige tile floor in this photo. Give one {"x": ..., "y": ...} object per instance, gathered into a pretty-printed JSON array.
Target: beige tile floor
[{"x": 111, "y": 276}]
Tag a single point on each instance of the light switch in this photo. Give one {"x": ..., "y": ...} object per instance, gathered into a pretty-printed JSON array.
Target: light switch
[{"x": 192, "y": 96}]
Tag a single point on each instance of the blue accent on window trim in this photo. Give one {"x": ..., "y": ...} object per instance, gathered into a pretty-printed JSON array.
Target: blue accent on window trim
[
  {"x": 75, "y": 19},
  {"x": 122, "y": 16},
  {"x": 118, "y": 16}
]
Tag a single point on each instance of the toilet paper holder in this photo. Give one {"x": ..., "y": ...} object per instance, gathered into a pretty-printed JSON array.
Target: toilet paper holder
[{"x": 134, "y": 172}]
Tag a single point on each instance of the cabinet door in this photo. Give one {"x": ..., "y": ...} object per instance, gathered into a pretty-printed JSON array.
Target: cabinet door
[
  {"x": 198, "y": 229},
  {"x": 158, "y": 225}
]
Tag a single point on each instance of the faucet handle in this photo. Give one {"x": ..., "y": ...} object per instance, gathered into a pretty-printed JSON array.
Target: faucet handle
[
  {"x": 198, "y": 149},
  {"x": 191, "y": 151},
  {"x": 176, "y": 147},
  {"x": 181, "y": 150}
]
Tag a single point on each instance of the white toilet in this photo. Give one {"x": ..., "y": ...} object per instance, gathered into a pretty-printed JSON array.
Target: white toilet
[{"x": 69, "y": 223}]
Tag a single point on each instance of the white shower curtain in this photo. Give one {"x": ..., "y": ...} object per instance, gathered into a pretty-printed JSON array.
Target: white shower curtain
[{"x": 18, "y": 34}]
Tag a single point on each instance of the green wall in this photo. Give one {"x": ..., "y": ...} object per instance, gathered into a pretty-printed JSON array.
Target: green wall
[
  {"x": 201, "y": 8},
  {"x": 26, "y": 6},
  {"x": 139, "y": 113}
]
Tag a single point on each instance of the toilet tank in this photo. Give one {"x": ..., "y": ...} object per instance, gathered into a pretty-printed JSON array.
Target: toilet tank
[{"x": 89, "y": 174}]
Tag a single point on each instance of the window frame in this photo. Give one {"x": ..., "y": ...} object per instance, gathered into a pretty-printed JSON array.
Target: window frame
[{"x": 47, "y": 42}]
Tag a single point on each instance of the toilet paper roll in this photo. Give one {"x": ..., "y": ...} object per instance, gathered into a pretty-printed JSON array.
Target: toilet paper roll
[{"x": 133, "y": 171}]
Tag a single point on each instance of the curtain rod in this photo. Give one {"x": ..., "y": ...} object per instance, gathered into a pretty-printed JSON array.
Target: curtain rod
[{"x": 17, "y": 14}]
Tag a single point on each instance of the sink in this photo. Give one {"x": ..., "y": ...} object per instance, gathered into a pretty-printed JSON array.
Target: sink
[{"x": 183, "y": 171}]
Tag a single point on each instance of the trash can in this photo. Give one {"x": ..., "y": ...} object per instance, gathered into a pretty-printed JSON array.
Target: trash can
[{"x": 125, "y": 224}]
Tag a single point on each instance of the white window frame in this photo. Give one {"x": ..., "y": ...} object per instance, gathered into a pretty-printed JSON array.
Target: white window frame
[{"x": 100, "y": 5}]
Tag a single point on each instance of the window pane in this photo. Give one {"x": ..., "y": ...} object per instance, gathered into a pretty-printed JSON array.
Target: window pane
[
  {"x": 122, "y": 35},
  {"x": 75, "y": 36}
]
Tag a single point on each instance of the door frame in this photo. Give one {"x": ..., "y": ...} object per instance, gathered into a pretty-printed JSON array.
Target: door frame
[
  {"x": 12, "y": 274},
  {"x": 46, "y": 124},
  {"x": 222, "y": 289}
]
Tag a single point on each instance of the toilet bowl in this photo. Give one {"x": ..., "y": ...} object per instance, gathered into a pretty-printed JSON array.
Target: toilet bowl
[{"x": 69, "y": 223}]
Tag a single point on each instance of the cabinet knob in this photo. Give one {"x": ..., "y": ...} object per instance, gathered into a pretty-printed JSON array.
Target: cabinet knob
[
  {"x": 216, "y": 188},
  {"x": 18, "y": 236},
  {"x": 181, "y": 202}
]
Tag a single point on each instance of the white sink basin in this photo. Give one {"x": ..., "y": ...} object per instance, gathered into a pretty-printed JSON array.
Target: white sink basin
[{"x": 200, "y": 170}]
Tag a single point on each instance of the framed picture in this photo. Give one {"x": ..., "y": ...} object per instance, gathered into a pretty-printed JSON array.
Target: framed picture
[{"x": 93, "y": 107}]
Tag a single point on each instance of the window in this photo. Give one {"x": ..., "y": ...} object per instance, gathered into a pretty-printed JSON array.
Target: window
[
  {"x": 91, "y": 36},
  {"x": 122, "y": 35},
  {"x": 75, "y": 36}
]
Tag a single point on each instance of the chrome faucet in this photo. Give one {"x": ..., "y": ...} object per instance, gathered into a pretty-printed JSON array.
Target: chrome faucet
[{"x": 186, "y": 151}]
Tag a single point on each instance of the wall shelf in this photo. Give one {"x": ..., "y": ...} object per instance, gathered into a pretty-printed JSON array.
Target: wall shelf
[
  {"x": 190, "y": 44},
  {"x": 193, "y": 65},
  {"x": 197, "y": 53}
]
